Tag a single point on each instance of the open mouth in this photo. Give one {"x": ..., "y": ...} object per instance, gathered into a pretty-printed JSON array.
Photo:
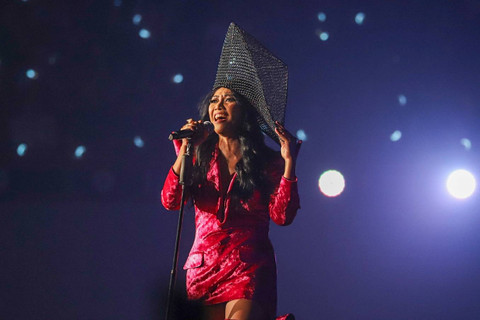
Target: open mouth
[{"x": 220, "y": 117}]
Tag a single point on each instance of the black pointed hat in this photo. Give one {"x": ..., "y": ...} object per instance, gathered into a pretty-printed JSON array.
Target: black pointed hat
[{"x": 250, "y": 69}]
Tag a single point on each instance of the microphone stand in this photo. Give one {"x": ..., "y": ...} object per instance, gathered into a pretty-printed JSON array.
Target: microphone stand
[{"x": 184, "y": 180}]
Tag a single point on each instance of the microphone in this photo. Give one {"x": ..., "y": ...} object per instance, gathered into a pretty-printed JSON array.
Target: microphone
[{"x": 187, "y": 133}]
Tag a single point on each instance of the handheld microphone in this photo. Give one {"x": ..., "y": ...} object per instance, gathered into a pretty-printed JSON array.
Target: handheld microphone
[{"x": 187, "y": 133}]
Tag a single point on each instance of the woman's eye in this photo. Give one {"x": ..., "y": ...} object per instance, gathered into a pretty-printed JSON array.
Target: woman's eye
[
  {"x": 213, "y": 101},
  {"x": 231, "y": 99}
]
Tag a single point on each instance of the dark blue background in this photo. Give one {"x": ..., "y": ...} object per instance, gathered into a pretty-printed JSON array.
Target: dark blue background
[{"x": 88, "y": 239}]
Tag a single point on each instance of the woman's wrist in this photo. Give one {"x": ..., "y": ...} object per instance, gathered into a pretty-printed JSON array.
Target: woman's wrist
[{"x": 289, "y": 172}]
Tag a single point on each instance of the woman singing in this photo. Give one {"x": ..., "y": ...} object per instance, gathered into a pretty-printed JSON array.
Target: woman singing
[{"x": 239, "y": 184}]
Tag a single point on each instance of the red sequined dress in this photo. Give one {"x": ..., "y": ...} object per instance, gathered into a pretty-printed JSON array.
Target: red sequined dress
[{"x": 232, "y": 256}]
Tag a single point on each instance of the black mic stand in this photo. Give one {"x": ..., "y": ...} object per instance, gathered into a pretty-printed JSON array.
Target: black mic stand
[{"x": 185, "y": 174}]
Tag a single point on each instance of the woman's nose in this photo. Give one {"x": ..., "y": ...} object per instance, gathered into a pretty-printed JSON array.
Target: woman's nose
[{"x": 219, "y": 105}]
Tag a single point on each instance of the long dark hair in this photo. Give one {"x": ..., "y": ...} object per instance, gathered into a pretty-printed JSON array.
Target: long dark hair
[{"x": 251, "y": 168}]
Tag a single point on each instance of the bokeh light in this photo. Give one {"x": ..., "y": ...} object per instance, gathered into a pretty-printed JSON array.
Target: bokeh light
[
  {"x": 301, "y": 135},
  {"x": 324, "y": 36},
  {"x": 178, "y": 78},
  {"x": 144, "y": 34},
  {"x": 137, "y": 19},
  {"x": 331, "y": 183},
  {"x": 359, "y": 18},
  {"x": 466, "y": 143},
  {"x": 396, "y": 135},
  {"x": 402, "y": 100},
  {"x": 461, "y": 184},
  {"x": 117, "y": 3},
  {"x": 21, "y": 149},
  {"x": 31, "y": 74},
  {"x": 138, "y": 141},
  {"x": 80, "y": 151},
  {"x": 322, "y": 17}
]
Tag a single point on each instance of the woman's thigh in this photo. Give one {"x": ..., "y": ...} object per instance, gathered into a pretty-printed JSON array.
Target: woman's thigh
[{"x": 244, "y": 309}]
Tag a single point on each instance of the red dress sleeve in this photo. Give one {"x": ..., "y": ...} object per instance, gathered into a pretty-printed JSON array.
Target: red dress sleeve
[
  {"x": 171, "y": 194},
  {"x": 284, "y": 201}
]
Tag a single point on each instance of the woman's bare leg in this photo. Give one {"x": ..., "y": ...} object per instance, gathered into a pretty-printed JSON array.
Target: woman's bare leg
[{"x": 243, "y": 309}]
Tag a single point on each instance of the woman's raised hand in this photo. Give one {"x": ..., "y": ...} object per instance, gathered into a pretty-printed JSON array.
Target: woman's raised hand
[{"x": 289, "y": 145}]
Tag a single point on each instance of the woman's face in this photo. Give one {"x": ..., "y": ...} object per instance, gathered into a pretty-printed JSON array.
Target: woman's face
[{"x": 224, "y": 112}]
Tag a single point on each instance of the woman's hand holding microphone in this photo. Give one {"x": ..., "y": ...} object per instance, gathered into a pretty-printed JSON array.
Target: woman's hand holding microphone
[
  {"x": 200, "y": 131},
  {"x": 194, "y": 132}
]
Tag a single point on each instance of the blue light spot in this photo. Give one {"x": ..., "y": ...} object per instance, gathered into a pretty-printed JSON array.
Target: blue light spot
[
  {"x": 324, "y": 36},
  {"x": 31, "y": 74},
  {"x": 137, "y": 19},
  {"x": 402, "y": 100},
  {"x": 397, "y": 135},
  {"x": 301, "y": 135},
  {"x": 359, "y": 18},
  {"x": 178, "y": 78},
  {"x": 322, "y": 17},
  {"x": 21, "y": 149},
  {"x": 144, "y": 33},
  {"x": 117, "y": 3},
  {"x": 80, "y": 151},
  {"x": 138, "y": 142},
  {"x": 466, "y": 143}
]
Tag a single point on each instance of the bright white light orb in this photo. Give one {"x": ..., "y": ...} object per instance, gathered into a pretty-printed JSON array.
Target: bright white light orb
[
  {"x": 461, "y": 184},
  {"x": 301, "y": 135},
  {"x": 359, "y": 18},
  {"x": 322, "y": 17},
  {"x": 466, "y": 143},
  {"x": 178, "y": 78},
  {"x": 402, "y": 100},
  {"x": 21, "y": 149},
  {"x": 144, "y": 34},
  {"x": 31, "y": 74},
  {"x": 80, "y": 151},
  {"x": 324, "y": 36},
  {"x": 331, "y": 183},
  {"x": 137, "y": 19},
  {"x": 397, "y": 135},
  {"x": 138, "y": 141}
]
